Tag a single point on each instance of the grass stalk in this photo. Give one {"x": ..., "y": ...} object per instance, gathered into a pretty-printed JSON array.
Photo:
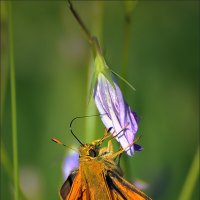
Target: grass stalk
[
  {"x": 7, "y": 166},
  {"x": 129, "y": 7},
  {"x": 91, "y": 123},
  {"x": 191, "y": 179},
  {"x": 13, "y": 107}
]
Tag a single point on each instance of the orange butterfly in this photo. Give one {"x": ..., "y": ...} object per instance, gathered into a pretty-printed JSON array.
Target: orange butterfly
[{"x": 99, "y": 177}]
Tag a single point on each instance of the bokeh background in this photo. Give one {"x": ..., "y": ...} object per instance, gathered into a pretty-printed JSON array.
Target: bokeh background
[{"x": 52, "y": 59}]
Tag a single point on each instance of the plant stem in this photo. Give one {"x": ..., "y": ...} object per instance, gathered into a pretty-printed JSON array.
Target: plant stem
[
  {"x": 193, "y": 174},
  {"x": 80, "y": 22},
  {"x": 129, "y": 6},
  {"x": 5, "y": 161},
  {"x": 7, "y": 166},
  {"x": 90, "y": 124},
  {"x": 93, "y": 41},
  {"x": 13, "y": 107}
]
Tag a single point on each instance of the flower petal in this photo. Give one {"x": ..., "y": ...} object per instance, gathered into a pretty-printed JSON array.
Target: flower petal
[
  {"x": 137, "y": 147},
  {"x": 115, "y": 112}
]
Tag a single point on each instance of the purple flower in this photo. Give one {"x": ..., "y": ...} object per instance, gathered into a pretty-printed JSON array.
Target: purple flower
[
  {"x": 70, "y": 163},
  {"x": 115, "y": 112}
]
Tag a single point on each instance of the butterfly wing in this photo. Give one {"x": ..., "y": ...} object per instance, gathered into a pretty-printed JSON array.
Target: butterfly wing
[
  {"x": 66, "y": 187},
  {"x": 72, "y": 188},
  {"x": 121, "y": 189}
]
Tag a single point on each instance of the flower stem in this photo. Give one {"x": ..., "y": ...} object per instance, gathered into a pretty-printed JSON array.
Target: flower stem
[
  {"x": 90, "y": 124},
  {"x": 93, "y": 41},
  {"x": 193, "y": 174},
  {"x": 80, "y": 21},
  {"x": 13, "y": 107}
]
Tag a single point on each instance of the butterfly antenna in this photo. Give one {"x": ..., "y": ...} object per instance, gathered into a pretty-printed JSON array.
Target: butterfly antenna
[
  {"x": 59, "y": 142},
  {"x": 80, "y": 118},
  {"x": 70, "y": 126}
]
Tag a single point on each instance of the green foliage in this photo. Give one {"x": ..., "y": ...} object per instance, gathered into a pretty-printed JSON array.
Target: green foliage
[{"x": 51, "y": 67}]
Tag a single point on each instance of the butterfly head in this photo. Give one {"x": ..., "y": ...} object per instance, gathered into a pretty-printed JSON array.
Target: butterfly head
[{"x": 89, "y": 150}]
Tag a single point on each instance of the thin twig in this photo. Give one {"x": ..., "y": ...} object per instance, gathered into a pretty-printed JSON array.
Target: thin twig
[
  {"x": 93, "y": 41},
  {"x": 80, "y": 21}
]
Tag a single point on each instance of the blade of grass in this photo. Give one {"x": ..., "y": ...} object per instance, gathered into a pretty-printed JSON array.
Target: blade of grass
[
  {"x": 13, "y": 107},
  {"x": 4, "y": 56},
  {"x": 129, "y": 7},
  {"x": 5, "y": 161},
  {"x": 192, "y": 176},
  {"x": 91, "y": 124},
  {"x": 7, "y": 166}
]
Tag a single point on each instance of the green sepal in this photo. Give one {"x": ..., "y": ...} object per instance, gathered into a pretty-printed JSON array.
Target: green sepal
[
  {"x": 100, "y": 67},
  {"x": 93, "y": 84},
  {"x": 108, "y": 74},
  {"x": 123, "y": 79}
]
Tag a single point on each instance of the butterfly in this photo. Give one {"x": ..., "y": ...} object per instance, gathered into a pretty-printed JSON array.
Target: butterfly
[{"x": 99, "y": 177}]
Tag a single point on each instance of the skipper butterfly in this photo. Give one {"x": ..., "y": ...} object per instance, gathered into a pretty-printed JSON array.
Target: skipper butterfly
[{"x": 99, "y": 177}]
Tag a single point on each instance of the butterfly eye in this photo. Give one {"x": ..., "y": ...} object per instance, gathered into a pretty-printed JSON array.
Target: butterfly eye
[{"x": 92, "y": 153}]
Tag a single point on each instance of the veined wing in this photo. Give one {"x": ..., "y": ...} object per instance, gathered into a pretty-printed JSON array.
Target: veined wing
[
  {"x": 72, "y": 188},
  {"x": 122, "y": 189}
]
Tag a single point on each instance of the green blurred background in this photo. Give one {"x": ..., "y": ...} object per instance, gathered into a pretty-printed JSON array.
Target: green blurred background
[{"x": 52, "y": 58}]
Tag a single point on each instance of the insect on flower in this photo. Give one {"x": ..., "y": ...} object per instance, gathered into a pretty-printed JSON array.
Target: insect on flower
[
  {"x": 99, "y": 177},
  {"x": 113, "y": 109}
]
